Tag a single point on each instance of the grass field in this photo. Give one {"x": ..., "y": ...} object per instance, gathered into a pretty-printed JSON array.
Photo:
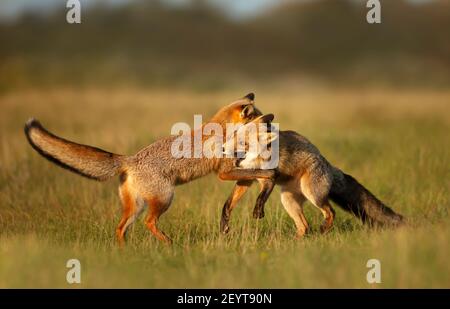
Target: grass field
[{"x": 395, "y": 142}]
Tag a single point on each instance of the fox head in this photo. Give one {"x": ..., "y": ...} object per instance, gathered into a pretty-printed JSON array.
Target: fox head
[
  {"x": 250, "y": 144},
  {"x": 239, "y": 112}
]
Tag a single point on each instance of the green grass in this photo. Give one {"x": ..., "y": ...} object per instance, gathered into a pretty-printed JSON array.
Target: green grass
[{"x": 396, "y": 144}]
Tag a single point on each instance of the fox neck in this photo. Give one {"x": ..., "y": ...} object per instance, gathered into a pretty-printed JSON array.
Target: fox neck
[
  {"x": 202, "y": 163},
  {"x": 216, "y": 161}
]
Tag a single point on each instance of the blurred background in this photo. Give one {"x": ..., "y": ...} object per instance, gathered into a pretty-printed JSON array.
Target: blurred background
[
  {"x": 213, "y": 44},
  {"x": 373, "y": 98}
]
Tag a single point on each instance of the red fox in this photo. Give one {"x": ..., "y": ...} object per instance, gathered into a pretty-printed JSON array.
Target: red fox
[
  {"x": 147, "y": 178},
  {"x": 303, "y": 173}
]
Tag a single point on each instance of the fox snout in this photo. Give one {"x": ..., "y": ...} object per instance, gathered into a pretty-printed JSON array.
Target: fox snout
[
  {"x": 226, "y": 151},
  {"x": 237, "y": 162}
]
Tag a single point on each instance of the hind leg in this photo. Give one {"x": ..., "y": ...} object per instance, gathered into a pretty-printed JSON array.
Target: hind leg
[
  {"x": 156, "y": 207},
  {"x": 132, "y": 208},
  {"x": 317, "y": 193},
  {"x": 292, "y": 201},
  {"x": 328, "y": 214}
]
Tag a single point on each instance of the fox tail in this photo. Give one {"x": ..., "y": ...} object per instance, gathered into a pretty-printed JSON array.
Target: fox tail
[
  {"x": 87, "y": 161},
  {"x": 353, "y": 197}
]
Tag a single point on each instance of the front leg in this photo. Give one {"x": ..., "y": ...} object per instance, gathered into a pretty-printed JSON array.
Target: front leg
[
  {"x": 244, "y": 178},
  {"x": 247, "y": 174},
  {"x": 238, "y": 191},
  {"x": 265, "y": 191}
]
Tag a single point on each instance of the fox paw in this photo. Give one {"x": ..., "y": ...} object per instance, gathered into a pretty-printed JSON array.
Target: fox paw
[{"x": 325, "y": 228}]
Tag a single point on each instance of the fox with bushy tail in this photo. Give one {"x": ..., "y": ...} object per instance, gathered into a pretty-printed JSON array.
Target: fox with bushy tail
[
  {"x": 148, "y": 178},
  {"x": 304, "y": 174}
]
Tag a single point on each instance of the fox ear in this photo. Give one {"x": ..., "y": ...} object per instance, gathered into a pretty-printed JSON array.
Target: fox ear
[
  {"x": 268, "y": 118},
  {"x": 247, "y": 111},
  {"x": 250, "y": 96},
  {"x": 272, "y": 136},
  {"x": 267, "y": 137}
]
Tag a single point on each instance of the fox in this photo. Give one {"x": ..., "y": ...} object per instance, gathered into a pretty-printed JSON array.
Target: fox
[
  {"x": 251, "y": 143},
  {"x": 148, "y": 178},
  {"x": 237, "y": 145},
  {"x": 303, "y": 174}
]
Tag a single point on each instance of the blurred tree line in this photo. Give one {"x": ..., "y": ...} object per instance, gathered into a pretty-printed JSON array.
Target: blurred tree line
[{"x": 151, "y": 44}]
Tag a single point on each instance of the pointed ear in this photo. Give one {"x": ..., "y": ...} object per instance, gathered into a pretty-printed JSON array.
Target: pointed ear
[
  {"x": 267, "y": 137},
  {"x": 268, "y": 118},
  {"x": 272, "y": 136},
  {"x": 247, "y": 111},
  {"x": 250, "y": 96}
]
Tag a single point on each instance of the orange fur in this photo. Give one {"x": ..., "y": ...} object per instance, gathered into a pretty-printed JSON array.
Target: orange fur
[
  {"x": 155, "y": 209},
  {"x": 239, "y": 190},
  {"x": 129, "y": 208},
  {"x": 148, "y": 177}
]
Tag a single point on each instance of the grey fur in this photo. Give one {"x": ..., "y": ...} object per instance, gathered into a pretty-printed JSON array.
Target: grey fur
[
  {"x": 298, "y": 156},
  {"x": 148, "y": 177}
]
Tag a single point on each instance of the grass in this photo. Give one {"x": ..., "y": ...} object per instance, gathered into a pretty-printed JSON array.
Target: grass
[{"x": 395, "y": 143}]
